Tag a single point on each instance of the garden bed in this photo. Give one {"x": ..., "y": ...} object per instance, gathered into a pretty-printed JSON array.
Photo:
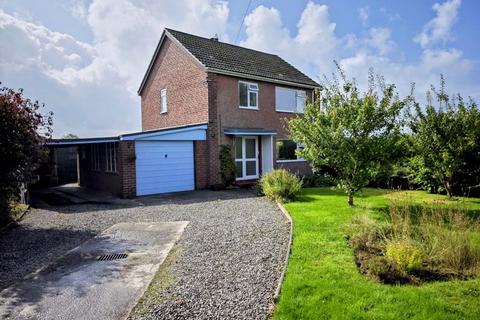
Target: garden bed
[{"x": 416, "y": 243}]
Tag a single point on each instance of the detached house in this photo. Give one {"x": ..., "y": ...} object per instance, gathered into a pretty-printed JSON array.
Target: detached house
[{"x": 196, "y": 95}]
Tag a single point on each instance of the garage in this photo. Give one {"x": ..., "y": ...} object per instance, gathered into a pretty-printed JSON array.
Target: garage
[
  {"x": 164, "y": 166},
  {"x": 139, "y": 164}
]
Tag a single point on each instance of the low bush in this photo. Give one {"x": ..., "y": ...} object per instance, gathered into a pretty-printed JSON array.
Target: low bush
[
  {"x": 318, "y": 180},
  {"x": 406, "y": 255},
  {"x": 280, "y": 185},
  {"x": 417, "y": 244}
]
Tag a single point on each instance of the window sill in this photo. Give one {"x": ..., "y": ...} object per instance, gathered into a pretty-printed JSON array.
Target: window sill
[
  {"x": 288, "y": 161},
  {"x": 249, "y": 108},
  {"x": 163, "y": 112},
  {"x": 287, "y": 111}
]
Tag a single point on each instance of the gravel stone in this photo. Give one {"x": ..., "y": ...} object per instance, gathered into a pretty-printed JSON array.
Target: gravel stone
[{"x": 229, "y": 264}]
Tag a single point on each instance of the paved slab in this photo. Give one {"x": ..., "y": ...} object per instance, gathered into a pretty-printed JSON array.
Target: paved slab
[{"x": 79, "y": 286}]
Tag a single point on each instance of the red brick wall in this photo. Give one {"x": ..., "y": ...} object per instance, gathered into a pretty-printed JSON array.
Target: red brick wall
[
  {"x": 127, "y": 169},
  {"x": 214, "y": 133},
  {"x": 201, "y": 164},
  {"x": 186, "y": 84}
]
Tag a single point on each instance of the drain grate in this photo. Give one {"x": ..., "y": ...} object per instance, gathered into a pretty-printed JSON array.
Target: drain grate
[{"x": 113, "y": 256}]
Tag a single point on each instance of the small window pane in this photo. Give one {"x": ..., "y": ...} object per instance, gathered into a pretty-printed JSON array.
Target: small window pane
[
  {"x": 251, "y": 168},
  {"x": 301, "y": 101},
  {"x": 253, "y": 86},
  {"x": 239, "y": 168},
  {"x": 250, "y": 148},
  {"x": 238, "y": 148},
  {"x": 253, "y": 99},
  {"x": 286, "y": 150},
  {"x": 243, "y": 94}
]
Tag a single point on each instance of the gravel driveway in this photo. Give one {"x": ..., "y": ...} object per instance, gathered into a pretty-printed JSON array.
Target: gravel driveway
[{"x": 226, "y": 264}]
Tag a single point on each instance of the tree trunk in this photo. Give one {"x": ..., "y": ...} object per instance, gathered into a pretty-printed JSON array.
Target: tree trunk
[
  {"x": 448, "y": 188},
  {"x": 350, "y": 200}
]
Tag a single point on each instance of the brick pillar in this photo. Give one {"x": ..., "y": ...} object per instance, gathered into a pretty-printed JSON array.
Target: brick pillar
[
  {"x": 126, "y": 153},
  {"x": 213, "y": 133},
  {"x": 201, "y": 164}
]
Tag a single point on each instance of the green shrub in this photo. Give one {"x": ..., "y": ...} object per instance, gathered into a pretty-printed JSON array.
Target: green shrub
[
  {"x": 17, "y": 209},
  {"x": 405, "y": 254},
  {"x": 227, "y": 165},
  {"x": 317, "y": 180},
  {"x": 280, "y": 185}
]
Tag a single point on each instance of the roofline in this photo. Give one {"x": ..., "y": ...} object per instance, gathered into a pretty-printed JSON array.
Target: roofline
[
  {"x": 265, "y": 79},
  {"x": 64, "y": 142},
  {"x": 127, "y": 136},
  {"x": 148, "y": 133},
  {"x": 165, "y": 33}
]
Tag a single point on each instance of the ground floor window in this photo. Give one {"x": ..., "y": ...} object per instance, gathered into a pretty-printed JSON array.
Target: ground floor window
[
  {"x": 286, "y": 150},
  {"x": 95, "y": 157},
  {"x": 111, "y": 156}
]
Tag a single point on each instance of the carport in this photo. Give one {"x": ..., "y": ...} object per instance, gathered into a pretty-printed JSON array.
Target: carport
[{"x": 138, "y": 164}]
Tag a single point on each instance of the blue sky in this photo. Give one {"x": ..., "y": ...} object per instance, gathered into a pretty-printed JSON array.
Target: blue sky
[{"x": 85, "y": 59}]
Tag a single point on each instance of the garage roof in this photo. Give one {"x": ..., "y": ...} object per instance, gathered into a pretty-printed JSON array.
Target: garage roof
[{"x": 187, "y": 132}]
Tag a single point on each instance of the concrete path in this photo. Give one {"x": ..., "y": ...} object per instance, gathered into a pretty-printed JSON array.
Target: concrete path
[{"x": 80, "y": 286}]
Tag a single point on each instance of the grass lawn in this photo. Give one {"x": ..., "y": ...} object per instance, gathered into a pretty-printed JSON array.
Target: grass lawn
[{"x": 322, "y": 280}]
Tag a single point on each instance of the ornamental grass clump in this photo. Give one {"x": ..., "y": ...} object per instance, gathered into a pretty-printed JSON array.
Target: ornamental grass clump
[
  {"x": 417, "y": 243},
  {"x": 280, "y": 185}
]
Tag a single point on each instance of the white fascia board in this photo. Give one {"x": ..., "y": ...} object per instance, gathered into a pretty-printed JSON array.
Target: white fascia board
[{"x": 171, "y": 132}]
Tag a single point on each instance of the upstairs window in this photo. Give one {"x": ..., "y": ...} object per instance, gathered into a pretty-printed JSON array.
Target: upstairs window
[
  {"x": 248, "y": 94},
  {"x": 111, "y": 156},
  {"x": 163, "y": 101},
  {"x": 95, "y": 157},
  {"x": 286, "y": 150},
  {"x": 289, "y": 100}
]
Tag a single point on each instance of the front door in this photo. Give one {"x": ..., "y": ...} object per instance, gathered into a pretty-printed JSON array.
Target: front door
[{"x": 246, "y": 157}]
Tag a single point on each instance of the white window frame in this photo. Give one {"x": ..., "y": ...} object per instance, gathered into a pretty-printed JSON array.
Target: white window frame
[
  {"x": 250, "y": 89},
  {"x": 111, "y": 157},
  {"x": 288, "y": 160},
  {"x": 95, "y": 157},
  {"x": 244, "y": 158},
  {"x": 298, "y": 93},
  {"x": 163, "y": 101}
]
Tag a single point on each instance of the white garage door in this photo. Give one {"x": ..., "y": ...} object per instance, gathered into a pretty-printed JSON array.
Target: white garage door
[{"x": 164, "y": 166}]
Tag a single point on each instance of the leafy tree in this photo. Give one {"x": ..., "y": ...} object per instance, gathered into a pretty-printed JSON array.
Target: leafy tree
[
  {"x": 445, "y": 141},
  {"x": 353, "y": 133},
  {"x": 23, "y": 130}
]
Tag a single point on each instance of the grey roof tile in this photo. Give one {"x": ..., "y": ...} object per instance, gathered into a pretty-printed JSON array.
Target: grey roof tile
[{"x": 227, "y": 57}]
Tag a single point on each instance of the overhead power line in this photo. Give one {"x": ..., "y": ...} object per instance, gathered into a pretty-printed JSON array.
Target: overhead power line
[{"x": 243, "y": 19}]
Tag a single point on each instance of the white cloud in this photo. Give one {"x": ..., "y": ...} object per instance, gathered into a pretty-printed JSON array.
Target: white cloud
[
  {"x": 363, "y": 14},
  {"x": 438, "y": 30},
  {"x": 313, "y": 47},
  {"x": 316, "y": 45},
  {"x": 379, "y": 38},
  {"x": 91, "y": 87},
  {"x": 79, "y": 9}
]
